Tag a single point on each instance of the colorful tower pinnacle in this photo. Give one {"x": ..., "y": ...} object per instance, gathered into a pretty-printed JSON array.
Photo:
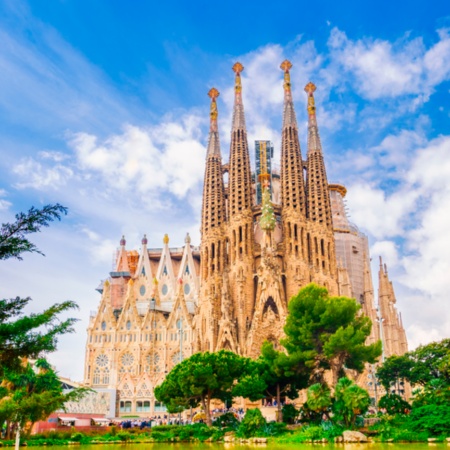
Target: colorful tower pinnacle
[
  {"x": 292, "y": 182},
  {"x": 240, "y": 214},
  {"x": 213, "y": 209},
  {"x": 240, "y": 197},
  {"x": 318, "y": 199}
]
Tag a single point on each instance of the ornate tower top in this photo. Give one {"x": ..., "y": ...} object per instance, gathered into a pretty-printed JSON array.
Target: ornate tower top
[
  {"x": 292, "y": 181},
  {"x": 123, "y": 242},
  {"x": 213, "y": 142},
  {"x": 289, "y": 119},
  {"x": 166, "y": 239},
  {"x": 238, "y": 113},
  {"x": 213, "y": 94},
  {"x": 309, "y": 89}
]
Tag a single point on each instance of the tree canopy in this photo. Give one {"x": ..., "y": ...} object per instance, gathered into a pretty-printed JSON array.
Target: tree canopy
[
  {"x": 23, "y": 335},
  {"x": 201, "y": 378},
  {"x": 12, "y": 235},
  {"x": 324, "y": 333},
  {"x": 30, "y": 392}
]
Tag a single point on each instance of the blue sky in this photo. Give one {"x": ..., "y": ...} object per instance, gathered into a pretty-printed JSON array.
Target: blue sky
[{"x": 103, "y": 108}]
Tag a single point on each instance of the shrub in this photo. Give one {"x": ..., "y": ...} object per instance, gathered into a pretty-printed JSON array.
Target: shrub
[
  {"x": 434, "y": 419},
  {"x": 252, "y": 423},
  {"x": 227, "y": 420},
  {"x": 289, "y": 413}
]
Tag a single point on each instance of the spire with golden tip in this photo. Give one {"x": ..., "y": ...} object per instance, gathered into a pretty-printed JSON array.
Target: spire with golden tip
[
  {"x": 238, "y": 112},
  {"x": 292, "y": 181},
  {"x": 289, "y": 118},
  {"x": 213, "y": 142},
  {"x": 318, "y": 196},
  {"x": 213, "y": 210},
  {"x": 240, "y": 184}
]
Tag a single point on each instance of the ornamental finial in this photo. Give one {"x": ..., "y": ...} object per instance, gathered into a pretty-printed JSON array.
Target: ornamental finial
[
  {"x": 238, "y": 68},
  {"x": 166, "y": 239},
  {"x": 286, "y": 66},
  {"x": 213, "y": 94},
  {"x": 309, "y": 89}
]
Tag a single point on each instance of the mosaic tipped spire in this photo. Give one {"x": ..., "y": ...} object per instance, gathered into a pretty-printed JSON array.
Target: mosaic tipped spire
[
  {"x": 213, "y": 141},
  {"x": 289, "y": 118},
  {"x": 238, "y": 111},
  {"x": 314, "y": 143}
]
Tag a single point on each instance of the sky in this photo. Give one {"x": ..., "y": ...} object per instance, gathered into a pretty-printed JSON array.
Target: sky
[{"x": 103, "y": 108}]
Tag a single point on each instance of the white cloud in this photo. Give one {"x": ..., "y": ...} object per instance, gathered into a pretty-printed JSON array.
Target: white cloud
[
  {"x": 168, "y": 157},
  {"x": 384, "y": 69},
  {"x": 35, "y": 175}
]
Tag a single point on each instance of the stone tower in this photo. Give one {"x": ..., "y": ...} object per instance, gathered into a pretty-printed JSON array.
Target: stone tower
[
  {"x": 240, "y": 219},
  {"x": 320, "y": 239},
  {"x": 293, "y": 216}
]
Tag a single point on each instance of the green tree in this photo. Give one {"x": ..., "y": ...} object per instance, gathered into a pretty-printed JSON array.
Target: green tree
[
  {"x": 273, "y": 375},
  {"x": 394, "y": 404},
  {"x": 319, "y": 399},
  {"x": 324, "y": 333},
  {"x": 350, "y": 400},
  {"x": 12, "y": 235},
  {"x": 23, "y": 396},
  {"x": 201, "y": 378},
  {"x": 32, "y": 394},
  {"x": 29, "y": 335},
  {"x": 395, "y": 370}
]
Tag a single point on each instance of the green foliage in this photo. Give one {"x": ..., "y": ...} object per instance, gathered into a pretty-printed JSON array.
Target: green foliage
[
  {"x": 201, "y": 378},
  {"x": 350, "y": 401},
  {"x": 289, "y": 413},
  {"x": 124, "y": 436},
  {"x": 433, "y": 419},
  {"x": 227, "y": 421},
  {"x": 394, "y": 404},
  {"x": 319, "y": 398},
  {"x": 12, "y": 235},
  {"x": 33, "y": 393},
  {"x": 324, "y": 332},
  {"x": 394, "y": 370},
  {"x": 274, "y": 429},
  {"x": 252, "y": 424}
]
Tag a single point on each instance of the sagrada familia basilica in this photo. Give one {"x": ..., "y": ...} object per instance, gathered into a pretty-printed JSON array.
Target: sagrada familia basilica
[{"x": 264, "y": 235}]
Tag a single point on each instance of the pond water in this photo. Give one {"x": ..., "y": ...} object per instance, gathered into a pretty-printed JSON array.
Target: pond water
[{"x": 189, "y": 446}]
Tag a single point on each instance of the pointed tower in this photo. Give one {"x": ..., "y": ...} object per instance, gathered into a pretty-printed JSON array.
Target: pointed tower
[
  {"x": 213, "y": 238},
  {"x": 320, "y": 240},
  {"x": 240, "y": 225},
  {"x": 392, "y": 332},
  {"x": 292, "y": 195}
]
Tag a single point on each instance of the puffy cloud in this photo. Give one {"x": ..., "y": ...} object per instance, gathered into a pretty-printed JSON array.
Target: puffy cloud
[
  {"x": 168, "y": 157},
  {"x": 38, "y": 176},
  {"x": 386, "y": 69}
]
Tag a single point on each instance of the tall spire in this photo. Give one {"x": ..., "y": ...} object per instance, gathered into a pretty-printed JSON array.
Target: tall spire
[
  {"x": 318, "y": 197},
  {"x": 292, "y": 181},
  {"x": 213, "y": 142},
  {"x": 240, "y": 173},
  {"x": 238, "y": 111},
  {"x": 289, "y": 119},
  {"x": 213, "y": 210}
]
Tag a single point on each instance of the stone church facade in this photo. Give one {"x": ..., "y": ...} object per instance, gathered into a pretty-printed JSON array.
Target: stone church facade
[{"x": 161, "y": 305}]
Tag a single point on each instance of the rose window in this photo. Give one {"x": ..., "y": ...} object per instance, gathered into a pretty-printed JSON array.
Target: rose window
[
  {"x": 127, "y": 359},
  {"x": 102, "y": 360}
]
